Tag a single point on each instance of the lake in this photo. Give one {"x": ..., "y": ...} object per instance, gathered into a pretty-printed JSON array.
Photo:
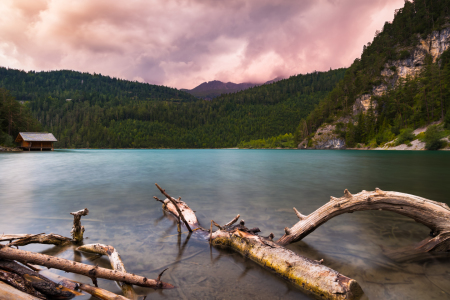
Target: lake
[{"x": 38, "y": 190}]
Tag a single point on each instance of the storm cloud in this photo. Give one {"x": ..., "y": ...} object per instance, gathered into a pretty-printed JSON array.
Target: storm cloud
[{"x": 182, "y": 43}]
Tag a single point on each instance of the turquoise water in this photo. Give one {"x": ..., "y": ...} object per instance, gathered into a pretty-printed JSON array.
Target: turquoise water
[{"x": 39, "y": 189}]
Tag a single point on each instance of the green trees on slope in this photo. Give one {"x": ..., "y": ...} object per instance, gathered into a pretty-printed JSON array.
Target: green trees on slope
[
  {"x": 409, "y": 103},
  {"x": 14, "y": 117}
]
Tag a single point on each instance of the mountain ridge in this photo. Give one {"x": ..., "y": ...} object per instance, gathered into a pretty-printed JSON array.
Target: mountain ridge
[{"x": 211, "y": 89}]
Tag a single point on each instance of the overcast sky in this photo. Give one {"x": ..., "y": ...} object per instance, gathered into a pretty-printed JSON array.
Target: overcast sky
[{"x": 182, "y": 43}]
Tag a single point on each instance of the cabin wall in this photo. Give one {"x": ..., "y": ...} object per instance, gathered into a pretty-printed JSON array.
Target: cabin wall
[{"x": 37, "y": 145}]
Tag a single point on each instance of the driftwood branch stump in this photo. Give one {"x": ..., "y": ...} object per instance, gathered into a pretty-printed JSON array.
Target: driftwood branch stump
[{"x": 78, "y": 230}]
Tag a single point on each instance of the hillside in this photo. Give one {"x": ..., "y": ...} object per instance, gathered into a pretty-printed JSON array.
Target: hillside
[
  {"x": 401, "y": 82},
  {"x": 14, "y": 117},
  {"x": 215, "y": 88},
  {"x": 63, "y": 85},
  {"x": 129, "y": 119}
]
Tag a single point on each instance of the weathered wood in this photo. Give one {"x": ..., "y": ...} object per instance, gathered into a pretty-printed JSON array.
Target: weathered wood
[
  {"x": 8, "y": 292},
  {"x": 116, "y": 264},
  {"x": 179, "y": 210},
  {"x": 310, "y": 276},
  {"x": 75, "y": 285},
  {"x": 12, "y": 237},
  {"x": 19, "y": 283},
  {"x": 100, "y": 293},
  {"x": 78, "y": 230},
  {"x": 434, "y": 215},
  {"x": 42, "y": 238},
  {"x": 79, "y": 268},
  {"x": 37, "y": 282}
]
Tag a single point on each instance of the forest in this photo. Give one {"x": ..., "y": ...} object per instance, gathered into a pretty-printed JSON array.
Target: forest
[
  {"x": 14, "y": 117},
  {"x": 95, "y": 111},
  {"x": 408, "y": 103}
]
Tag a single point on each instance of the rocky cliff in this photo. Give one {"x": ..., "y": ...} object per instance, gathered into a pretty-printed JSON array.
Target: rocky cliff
[
  {"x": 410, "y": 64},
  {"x": 435, "y": 44}
]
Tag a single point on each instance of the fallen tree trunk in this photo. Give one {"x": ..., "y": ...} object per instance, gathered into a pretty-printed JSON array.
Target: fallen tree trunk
[
  {"x": 310, "y": 276},
  {"x": 79, "y": 268},
  {"x": 434, "y": 215},
  {"x": 116, "y": 264}
]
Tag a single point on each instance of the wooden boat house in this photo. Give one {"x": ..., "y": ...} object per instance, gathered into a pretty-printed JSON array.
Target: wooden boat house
[{"x": 36, "y": 141}]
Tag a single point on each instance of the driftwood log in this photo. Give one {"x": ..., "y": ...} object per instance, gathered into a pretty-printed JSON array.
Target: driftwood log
[
  {"x": 78, "y": 230},
  {"x": 75, "y": 285},
  {"x": 42, "y": 238},
  {"x": 79, "y": 268},
  {"x": 33, "y": 283},
  {"x": 116, "y": 264},
  {"x": 19, "y": 283},
  {"x": 434, "y": 215},
  {"x": 310, "y": 276}
]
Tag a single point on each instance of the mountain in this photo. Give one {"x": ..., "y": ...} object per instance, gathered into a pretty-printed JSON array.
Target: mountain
[
  {"x": 401, "y": 82},
  {"x": 215, "y": 88}
]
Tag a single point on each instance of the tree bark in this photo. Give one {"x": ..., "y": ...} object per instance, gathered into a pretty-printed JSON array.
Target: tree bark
[
  {"x": 78, "y": 230},
  {"x": 310, "y": 276},
  {"x": 434, "y": 215},
  {"x": 19, "y": 283},
  {"x": 79, "y": 268},
  {"x": 116, "y": 264}
]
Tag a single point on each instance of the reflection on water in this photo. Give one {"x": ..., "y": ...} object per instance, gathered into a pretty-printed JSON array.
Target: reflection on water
[{"x": 38, "y": 190}]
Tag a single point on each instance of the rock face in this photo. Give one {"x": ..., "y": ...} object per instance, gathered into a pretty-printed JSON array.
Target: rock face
[
  {"x": 332, "y": 144},
  {"x": 363, "y": 104},
  {"x": 325, "y": 138},
  {"x": 435, "y": 44}
]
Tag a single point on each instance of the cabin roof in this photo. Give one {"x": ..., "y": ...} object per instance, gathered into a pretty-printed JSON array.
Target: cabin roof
[{"x": 36, "y": 137}]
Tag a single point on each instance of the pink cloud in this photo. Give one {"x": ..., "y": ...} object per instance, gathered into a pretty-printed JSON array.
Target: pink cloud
[{"x": 182, "y": 43}]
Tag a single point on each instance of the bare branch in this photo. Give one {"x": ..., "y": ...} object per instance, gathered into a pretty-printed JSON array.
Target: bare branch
[
  {"x": 432, "y": 214},
  {"x": 299, "y": 215},
  {"x": 180, "y": 214},
  {"x": 232, "y": 221},
  {"x": 79, "y": 268}
]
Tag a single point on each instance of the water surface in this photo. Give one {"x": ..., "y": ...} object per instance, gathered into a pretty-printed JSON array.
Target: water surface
[{"x": 39, "y": 189}]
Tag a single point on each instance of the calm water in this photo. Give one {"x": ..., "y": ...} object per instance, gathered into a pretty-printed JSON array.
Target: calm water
[{"x": 38, "y": 190}]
